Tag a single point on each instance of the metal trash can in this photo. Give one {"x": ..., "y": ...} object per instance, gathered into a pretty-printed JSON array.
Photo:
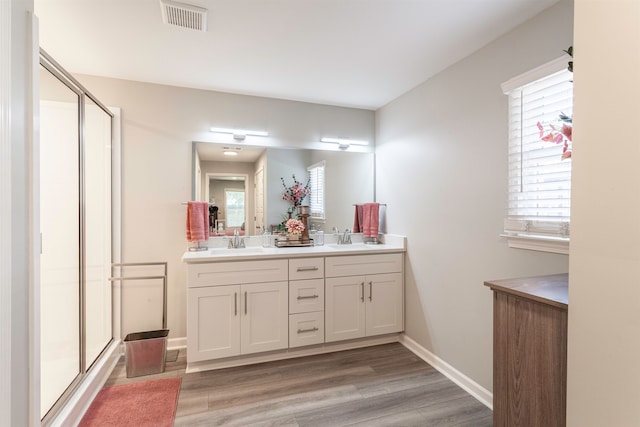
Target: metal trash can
[{"x": 145, "y": 352}]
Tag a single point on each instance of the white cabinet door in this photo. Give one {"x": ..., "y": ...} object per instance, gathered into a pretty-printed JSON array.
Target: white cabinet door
[
  {"x": 213, "y": 324},
  {"x": 360, "y": 306},
  {"x": 345, "y": 308},
  {"x": 265, "y": 317},
  {"x": 384, "y": 302}
]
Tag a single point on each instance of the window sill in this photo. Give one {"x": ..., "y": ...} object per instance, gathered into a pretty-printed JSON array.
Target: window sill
[{"x": 555, "y": 245}]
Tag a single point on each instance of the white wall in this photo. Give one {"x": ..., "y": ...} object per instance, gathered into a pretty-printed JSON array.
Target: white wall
[
  {"x": 604, "y": 289},
  {"x": 19, "y": 351},
  {"x": 441, "y": 166},
  {"x": 159, "y": 124}
]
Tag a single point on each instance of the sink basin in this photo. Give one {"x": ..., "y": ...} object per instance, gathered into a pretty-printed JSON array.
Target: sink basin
[
  {"x": 351, "y": 247},
  {"x": 238, "y": 251}
]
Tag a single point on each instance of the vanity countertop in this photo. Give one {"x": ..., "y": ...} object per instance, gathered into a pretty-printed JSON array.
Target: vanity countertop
[{"x": 253, "y": 251}]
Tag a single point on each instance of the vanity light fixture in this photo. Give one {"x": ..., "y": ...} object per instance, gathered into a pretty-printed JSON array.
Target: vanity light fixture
[
  {"x": 343, "y": 143},
  {"x": 239, "y": 134}
]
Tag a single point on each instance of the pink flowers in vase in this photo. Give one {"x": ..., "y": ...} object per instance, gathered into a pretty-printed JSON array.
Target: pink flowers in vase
[
  {"x": 559, "y": 134},
  {"x": 294, "y": 226},
  {"x": 296, "y": 193}
]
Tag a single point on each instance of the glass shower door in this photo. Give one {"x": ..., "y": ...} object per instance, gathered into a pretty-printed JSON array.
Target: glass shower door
[
  {"x": 76, "y": 312},
  {"x": 60, "y": 320},
  {"x": 97, "y": 226}
]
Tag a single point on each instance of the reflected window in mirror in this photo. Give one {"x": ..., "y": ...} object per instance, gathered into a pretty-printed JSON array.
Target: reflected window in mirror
[
  {"x": 234, "y": 207},
  {"x": 316, "y": 185}
]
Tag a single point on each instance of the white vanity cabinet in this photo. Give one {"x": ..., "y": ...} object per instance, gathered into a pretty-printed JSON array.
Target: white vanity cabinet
[
  {"x": 237, "y": 308},
  {"x": 254, "y": 305},
  {"x": 364, "y": 296}
]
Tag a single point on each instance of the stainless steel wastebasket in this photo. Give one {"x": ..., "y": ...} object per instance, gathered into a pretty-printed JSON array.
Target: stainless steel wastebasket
[{"x": 145, "y": 352}]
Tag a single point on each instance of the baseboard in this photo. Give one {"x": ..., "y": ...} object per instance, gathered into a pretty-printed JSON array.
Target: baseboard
[
  {"x": 73, "y": 411},
  {"x": 174, "y": 343},
  {"x": 290, "y": 353},
  {"x": 483, "y": 395}
]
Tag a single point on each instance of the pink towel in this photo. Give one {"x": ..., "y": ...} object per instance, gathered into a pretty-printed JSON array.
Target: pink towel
[
  {"x": 357, "y": 220},
  {"x": 371, "y": 215},
  {"x": 197, "y": 221}
]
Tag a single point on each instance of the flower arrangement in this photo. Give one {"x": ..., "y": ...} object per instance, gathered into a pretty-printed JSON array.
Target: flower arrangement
[
  {"x": 294, "y": 226},
  {"x": 296, "y": 193},
  {"x": 561, "y": 134}
]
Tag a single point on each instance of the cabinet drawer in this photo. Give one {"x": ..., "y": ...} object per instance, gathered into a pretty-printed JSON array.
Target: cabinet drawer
[
  {"x": 239, "y": 272},
  {"x": 306, "y": 296},
  {"x": 306, "y": 268},
  {"x": 306, "y": 329},
  {"x": 363, "y": 264}
]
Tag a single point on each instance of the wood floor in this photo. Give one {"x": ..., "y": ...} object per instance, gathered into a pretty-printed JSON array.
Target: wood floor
[{"x": 384, "y": 385}]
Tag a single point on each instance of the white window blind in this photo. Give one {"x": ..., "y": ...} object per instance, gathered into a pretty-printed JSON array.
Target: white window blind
[
  {"x": 539, "y": 180},
  {"x": 316, "y": 185}
]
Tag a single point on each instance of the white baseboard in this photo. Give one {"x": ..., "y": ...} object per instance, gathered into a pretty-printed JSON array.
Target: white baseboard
[
  {"x": 174, "y": 343},
  {"x": 289, "y": 353},
  {"x": 73, "y": 411},
  {"x": 483, "y": 395}
]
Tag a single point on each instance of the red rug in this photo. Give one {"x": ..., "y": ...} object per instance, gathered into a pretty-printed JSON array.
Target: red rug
[{"x": 145, "y": 403}]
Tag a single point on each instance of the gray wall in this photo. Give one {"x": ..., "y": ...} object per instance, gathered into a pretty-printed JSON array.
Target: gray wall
[
  {"x": 159, "y": 124},
  {"x": 442, "y": 168}
]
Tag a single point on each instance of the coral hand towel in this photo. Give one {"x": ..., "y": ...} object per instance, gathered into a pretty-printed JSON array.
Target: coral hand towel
[
  {"x": 371, "y": 212},
  {"x": 197, "y": 221}
]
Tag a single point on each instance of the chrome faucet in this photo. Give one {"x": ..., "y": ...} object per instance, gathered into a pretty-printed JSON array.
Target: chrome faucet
[
  {"x": 236, "y": 242},
  {"x": 345, "y": 239}
]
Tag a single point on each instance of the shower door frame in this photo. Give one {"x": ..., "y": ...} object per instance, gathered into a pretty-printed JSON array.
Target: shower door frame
[{"x": 69, "y": 404}]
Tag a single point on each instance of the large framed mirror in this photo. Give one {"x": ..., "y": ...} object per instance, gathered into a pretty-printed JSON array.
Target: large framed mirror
[{"x": 248, "y": 184}]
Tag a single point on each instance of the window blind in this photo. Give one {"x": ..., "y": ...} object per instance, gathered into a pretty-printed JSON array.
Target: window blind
[
  {"x": 316, "y": 185},
  {"x": 539, "y": 183}
]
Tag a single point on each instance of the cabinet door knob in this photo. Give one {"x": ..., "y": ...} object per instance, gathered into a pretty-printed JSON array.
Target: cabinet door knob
[
  {"x": 370, "y": 291},
  {"x": 362, "y": 291},
  {"x": 307, "y": 269},
  {"x": 235, "y": 303},
  {"x": 301, "y": 331},
  {"x": 308, "y": 297},
  {"x": 245, "y": 303}
]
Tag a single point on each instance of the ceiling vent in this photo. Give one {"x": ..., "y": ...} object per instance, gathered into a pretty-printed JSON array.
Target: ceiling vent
[{"x": 184, "y": 15}]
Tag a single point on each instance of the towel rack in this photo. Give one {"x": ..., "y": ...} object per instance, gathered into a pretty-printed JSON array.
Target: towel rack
[
  {"x": 164, "y": 282},
  {"x": 186, "y": 203},
  {"x": 360, "y": 204}
]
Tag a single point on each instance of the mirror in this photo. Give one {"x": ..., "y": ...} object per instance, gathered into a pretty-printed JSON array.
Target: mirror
[{"x": 349, "y": 179}]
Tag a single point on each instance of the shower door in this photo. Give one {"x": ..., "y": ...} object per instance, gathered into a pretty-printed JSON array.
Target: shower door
[
  {"x": 60, "y": 230},
  {"x": 76, "y": 233}
]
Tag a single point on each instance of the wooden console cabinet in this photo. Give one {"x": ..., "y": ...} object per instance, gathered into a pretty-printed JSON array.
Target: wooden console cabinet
[{"x": 530, "y": 351}]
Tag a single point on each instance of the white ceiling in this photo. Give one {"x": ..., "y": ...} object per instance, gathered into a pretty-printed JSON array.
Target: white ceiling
[{"x": 356, "y": 53}]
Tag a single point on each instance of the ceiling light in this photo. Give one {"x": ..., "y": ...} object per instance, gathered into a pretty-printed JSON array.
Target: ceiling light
[
  {"x": 239, "y": 134},
  {"x": 344, "y": 142},
  {"x": 231, "y": 151}
]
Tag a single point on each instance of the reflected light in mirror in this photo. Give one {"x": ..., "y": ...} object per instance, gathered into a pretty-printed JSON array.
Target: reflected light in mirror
[
  {"x": 344, "y": 141},
  {"x": 239, "y": 132}
]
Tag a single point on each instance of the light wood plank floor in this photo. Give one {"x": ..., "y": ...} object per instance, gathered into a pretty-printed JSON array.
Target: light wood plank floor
[{"x": 385, "y": 385}]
